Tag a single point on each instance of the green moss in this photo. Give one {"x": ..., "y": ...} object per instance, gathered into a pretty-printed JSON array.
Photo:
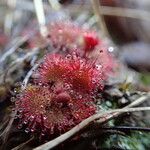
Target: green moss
[
  {"x": 136, "y": 141},
  {"x": 145, "y": 78}
]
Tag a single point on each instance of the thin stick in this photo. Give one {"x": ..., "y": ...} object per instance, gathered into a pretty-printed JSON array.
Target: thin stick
[
  {"x": 5, "y": 133},
  {"x": 139, "y": 100},
  {"x": 126, "y": 12},
  {"x": 26, "y": 79},
  {"x": 51, "y": 144},
  {"x": 134, "y": 103},
  {"x": 4, "y": 124},
  {"x": 8, "y": 22},
  {"x": 115, "y": 11},
  {"x": 40, "y": 16},
  {"x": 54, "y": 4},
  {"x": 23, "y": 144},
  {"x": 125, "y": 128},
  {"x": 100, "y": 20}
]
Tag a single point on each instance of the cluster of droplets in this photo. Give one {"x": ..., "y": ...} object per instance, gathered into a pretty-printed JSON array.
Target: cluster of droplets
[
  {"x": 79, "y": 76},
  {"x": 48, "y": 111},
  {"x": 66, "y": 83}
]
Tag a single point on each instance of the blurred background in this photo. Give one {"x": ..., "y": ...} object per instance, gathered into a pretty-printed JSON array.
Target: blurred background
[{"x": 125, "y": 24}]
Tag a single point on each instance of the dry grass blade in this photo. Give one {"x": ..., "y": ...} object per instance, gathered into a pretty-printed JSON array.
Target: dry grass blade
[
  {"x": 100, "y": 20},
  {"x": 126, "y": 128},
  {"x": 40, "y": 16},
  {"x": 23, "y": 144},
  {"x": 116, "y": 11},
  {"x": 5, "y": 133},
  {"x": 126, "y": 12},
  {"x": 134, "y": 103},
  {"x": 55, "y": 4},
  {"x": 26, "y": 79}
]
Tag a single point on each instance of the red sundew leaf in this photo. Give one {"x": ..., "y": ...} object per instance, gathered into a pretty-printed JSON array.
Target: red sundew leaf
[
  {"x": 47, "y": 113},
  {"x": 75, "y": 73},
  {"x": 91, "y": 41}
]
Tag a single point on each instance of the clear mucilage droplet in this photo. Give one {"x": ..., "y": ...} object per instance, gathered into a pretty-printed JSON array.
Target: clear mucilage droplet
[
  {"x": 27, "y": 130},
  {"x": 98, "y": 67},
  {"x": 110, "y": 49},
  {"x": 80, "y": 96},
  {"x": 20, "y": 110},
  {"x": 13, "y": 99},
  {"x": 20, "y": 126}
]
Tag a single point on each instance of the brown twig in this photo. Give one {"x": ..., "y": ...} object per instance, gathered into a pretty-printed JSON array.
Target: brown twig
[
  {"x": 5, "y": 133},
  {"x": 26, "y": 79},
  {"x": 23, "y": 144},
  {"x": 99, "y": 17},
  {"x": 126, "y": 12},
  {"x": 51, "y": 144},
  {"x": 134, "y": 103},
  {"x": 115, "y": 11},
  {"x": 125, "y": 128}
]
